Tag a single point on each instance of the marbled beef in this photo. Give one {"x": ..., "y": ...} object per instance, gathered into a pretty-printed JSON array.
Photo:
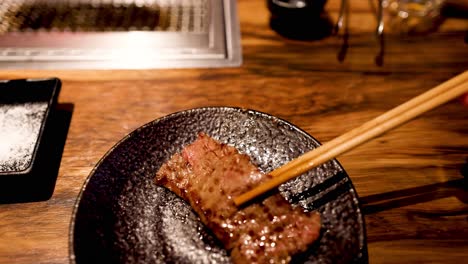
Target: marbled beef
[{"x": 208, "y": 174}]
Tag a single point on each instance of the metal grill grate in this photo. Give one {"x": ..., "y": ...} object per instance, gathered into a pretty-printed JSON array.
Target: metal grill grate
[
  {"x": 118, "y": 34},
  {"x": 188, "y": 16}
]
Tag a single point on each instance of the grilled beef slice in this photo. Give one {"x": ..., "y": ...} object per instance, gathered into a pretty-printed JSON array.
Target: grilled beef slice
[{"x": 208, "y": 174}]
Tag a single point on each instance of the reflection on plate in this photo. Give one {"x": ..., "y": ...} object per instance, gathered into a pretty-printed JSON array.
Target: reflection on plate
[{"x": 122, "y": 216}]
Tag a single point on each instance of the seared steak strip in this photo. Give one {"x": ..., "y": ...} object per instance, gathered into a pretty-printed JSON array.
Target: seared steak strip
[{"x": 208, "y": 174}]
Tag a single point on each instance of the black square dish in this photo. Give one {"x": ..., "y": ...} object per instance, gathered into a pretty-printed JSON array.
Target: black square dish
[{"x": 26, "y": 107}]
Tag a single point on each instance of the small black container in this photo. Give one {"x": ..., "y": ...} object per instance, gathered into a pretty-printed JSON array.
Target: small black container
[
  {"x": 300, "y": 19},
  {"x": 28, "y": 169}
]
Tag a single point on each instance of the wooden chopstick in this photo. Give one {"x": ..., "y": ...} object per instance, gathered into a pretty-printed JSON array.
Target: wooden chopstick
[
  {"x": 459, "y": 79},
  {"x": 399, "y": 115}
]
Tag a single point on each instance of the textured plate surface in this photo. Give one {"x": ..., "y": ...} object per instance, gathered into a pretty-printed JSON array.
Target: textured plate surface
[{"x": 121, "y": 216}]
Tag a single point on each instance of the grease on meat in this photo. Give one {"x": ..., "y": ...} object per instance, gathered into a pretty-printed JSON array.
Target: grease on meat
[{"x": 208, "y": 174}]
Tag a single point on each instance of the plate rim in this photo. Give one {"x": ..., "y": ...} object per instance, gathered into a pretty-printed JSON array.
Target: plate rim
[{"x": 71, "y": 235}]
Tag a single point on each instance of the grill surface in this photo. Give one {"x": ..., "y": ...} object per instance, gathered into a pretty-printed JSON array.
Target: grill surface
[
  {"x": 110, "y": 34},
  {"x": 104, "y": 16}
]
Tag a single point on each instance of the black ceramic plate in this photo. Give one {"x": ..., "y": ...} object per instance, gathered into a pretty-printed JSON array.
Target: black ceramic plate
[{"x": 121, "y": 216}]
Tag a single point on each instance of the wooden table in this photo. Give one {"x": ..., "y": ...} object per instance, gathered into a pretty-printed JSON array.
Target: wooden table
[{"x": 409, "y": 180}]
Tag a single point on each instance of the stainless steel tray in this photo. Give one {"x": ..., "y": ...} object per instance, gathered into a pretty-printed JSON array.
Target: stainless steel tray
[{"x": 119, "y": 34}]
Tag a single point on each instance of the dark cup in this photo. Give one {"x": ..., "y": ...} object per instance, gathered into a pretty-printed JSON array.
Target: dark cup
[
  {"x": 299, "y": 19},
  {"x": 296, "y": 8}
]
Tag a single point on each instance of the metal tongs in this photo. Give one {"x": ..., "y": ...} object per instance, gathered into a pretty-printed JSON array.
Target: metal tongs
[{"x": 342, "y": 23}]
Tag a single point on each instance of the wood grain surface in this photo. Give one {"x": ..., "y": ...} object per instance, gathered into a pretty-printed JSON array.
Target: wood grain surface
[{"x": 414, "y": 197}]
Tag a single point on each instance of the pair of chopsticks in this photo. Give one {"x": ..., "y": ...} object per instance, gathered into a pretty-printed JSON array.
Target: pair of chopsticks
[{"x": 399, "y": 115}]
